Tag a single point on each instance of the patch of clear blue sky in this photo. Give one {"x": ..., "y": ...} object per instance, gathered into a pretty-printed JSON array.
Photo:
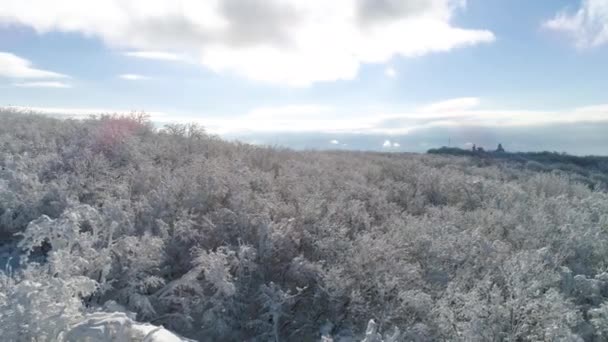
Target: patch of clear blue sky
[
  {"x": 529, "y": 66},
  {"x": 525, "y": 68}
]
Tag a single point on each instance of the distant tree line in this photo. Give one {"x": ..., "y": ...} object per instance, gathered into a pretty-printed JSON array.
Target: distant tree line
[{"x": 590, "y": 170}]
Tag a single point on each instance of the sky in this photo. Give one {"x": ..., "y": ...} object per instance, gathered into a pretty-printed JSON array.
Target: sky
[{"x": 387, "y": 75}]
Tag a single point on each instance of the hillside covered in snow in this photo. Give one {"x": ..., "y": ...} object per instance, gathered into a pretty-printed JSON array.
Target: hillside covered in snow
[{"x": 113, "y": 230}]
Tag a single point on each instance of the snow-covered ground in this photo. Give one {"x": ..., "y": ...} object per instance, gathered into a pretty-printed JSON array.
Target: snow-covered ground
[{"x": 118, "y": 327}]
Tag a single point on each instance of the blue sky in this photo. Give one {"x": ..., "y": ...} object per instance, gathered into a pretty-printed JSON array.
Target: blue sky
[{"x": 318, "y": 74}]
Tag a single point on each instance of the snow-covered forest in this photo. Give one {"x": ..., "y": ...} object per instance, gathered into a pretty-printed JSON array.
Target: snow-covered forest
[{"x": 222, "y": 241}]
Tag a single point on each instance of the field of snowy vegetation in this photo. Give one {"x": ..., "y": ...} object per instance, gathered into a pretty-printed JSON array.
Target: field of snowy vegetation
[{"x": 113, "y": 230}]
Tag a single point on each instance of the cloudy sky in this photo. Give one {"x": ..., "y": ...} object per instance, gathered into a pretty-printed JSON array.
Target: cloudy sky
[{"x": 399, "y": 75}]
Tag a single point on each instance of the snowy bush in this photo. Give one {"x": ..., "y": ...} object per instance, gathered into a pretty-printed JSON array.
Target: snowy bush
[{"x": 123, "y": 230}]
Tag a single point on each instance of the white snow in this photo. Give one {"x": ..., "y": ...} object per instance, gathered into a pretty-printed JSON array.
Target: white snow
[{"x": 118, "y": 327}]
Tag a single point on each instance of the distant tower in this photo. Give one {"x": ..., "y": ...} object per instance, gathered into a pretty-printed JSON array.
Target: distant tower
[
  {"x": 500, "y": 149},
  {"x": 474, "y": 148}
]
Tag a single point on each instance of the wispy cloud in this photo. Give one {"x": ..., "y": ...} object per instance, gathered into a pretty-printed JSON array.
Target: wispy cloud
[
  {"x": 587, "y": 26},
  {"x": 461, "y": 112},
  {"x": 309, "y": 118},
  {"x": 133, "y": 77},
  {"x": 290, "y": 42},
  {"x": 156, "y": 55},
  {"x": 451, "y": 105},
  {"x": 390, "y": 72},
  {"x": 13, "y": 66},
  {"x": 42, "y": 84},
  {"x": 293, "y": 118}
]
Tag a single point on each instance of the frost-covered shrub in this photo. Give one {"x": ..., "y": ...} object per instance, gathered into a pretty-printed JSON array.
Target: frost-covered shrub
[
  {"x": 36, "y": 306},
  {"x": 228, "y": 241}
]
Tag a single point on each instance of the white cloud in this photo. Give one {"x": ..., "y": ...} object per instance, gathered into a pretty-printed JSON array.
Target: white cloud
[
  {"x": 587, "y": 26},
  {"x": 42, "y": 84},
  {"x": 293, "y": 118},
  {"x": 290, "y": 112},
  {"x": 462, "y": 103},
  {"x": 388, "y": 144},
  {"x": 13, "y": 66},
  {"x": 290, "y": 42},
  {"x": 334, "y": 142},
  {"x": 157, "y": 55},
  {"x": 463, "y": 112},
  {"x": 390, "y": 72},
  {"x": 133, "y": 77},
  {"x": 310, "y": 118}
]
